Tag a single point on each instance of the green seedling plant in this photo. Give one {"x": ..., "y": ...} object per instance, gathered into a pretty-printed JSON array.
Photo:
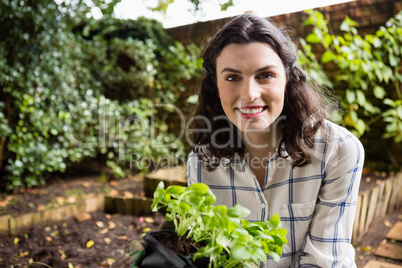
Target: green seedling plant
[
  {"x": 220, "y": 233},
  {"x": 184, "y": 205}
]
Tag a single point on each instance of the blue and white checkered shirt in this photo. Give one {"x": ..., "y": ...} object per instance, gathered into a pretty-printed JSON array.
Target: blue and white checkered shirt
[{"x": 316, "y": 203}]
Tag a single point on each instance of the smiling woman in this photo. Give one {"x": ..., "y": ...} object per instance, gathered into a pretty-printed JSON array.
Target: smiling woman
[
  {"x": 251, "y": 85},
  {"x": 270, "y": 147}
]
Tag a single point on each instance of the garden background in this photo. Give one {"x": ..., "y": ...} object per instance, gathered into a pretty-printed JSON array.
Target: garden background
[{"x": 110, "y": 94}]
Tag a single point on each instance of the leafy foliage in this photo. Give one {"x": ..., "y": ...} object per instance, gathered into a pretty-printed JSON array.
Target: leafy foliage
[
  {"x": 228, "y": 239},
  {"x": 73, "y": 88},
  {"x": 67, "y": 95},
  {"x": 162, "y": 5},
  {"x": 366, "y": 65}
]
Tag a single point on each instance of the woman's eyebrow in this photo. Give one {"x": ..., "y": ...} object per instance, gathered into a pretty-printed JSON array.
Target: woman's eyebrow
[
  {"x": 227, "y": 69},
  {"x": 267, "y": 67}
]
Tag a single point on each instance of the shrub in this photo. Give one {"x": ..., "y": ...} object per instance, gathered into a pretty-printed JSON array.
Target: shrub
[
  {"x": 367, "y": 75},
  {"x": 57, "y": 105}
]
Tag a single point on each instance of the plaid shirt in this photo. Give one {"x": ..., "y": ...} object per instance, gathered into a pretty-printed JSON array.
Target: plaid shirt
[{"x": 316, "y": 203}]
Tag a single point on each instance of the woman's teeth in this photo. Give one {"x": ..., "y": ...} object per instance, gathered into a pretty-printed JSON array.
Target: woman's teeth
[{"x": 251, "y": 111}]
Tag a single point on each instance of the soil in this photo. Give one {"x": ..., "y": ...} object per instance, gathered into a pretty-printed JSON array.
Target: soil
[
  {"x": 98, "y": 239},
  {"x": 374, "y": 237},
  {"x": 175, "y": 244},
  {"x": 372, "y": 178},
  {"x": 88, "y": 240},
  {"x": 94, "y": 240},
  {"x": 65, "y": 190}
]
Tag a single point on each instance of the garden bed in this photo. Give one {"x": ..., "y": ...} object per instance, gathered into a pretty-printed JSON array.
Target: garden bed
[
  {"x": 63, "y": 242},
  {"x": 88, "y": 240}
]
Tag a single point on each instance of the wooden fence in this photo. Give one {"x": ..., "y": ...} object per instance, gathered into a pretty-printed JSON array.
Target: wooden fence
[{"x": 374, "y": 204}]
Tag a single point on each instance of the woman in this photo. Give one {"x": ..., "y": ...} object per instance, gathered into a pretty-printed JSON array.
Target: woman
[{"x": 261, "y": 139}]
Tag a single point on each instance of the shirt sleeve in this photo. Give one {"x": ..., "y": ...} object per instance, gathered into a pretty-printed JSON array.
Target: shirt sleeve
[{"x": 328, "y": 242}]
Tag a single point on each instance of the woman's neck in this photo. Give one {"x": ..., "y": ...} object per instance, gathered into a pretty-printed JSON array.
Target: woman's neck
[
  {"x": 260, "y": 148},
  {"x": 257, "y": 142}
]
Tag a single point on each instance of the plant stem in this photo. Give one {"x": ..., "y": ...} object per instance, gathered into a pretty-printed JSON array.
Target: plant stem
[
  {"x": 372, "y": 120},
  {"x": 397, "y": 85}
]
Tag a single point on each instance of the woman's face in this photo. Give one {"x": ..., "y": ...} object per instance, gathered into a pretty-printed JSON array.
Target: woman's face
[{"x": 251, "y": 82}]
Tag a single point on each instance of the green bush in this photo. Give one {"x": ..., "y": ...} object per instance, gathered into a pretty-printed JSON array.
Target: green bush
[
  {"x": 67, "y": 97},
  {"x": 366, "y": 68}
]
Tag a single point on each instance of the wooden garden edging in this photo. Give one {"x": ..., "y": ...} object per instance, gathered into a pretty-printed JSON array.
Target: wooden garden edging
[
  {"x": 372, "y": 205},
  {"x": 12, "y": 224},
  {"x": 375, "y": 203},
  {"x": 142, "y": 205},
  {"x": 170, "y": 176}
]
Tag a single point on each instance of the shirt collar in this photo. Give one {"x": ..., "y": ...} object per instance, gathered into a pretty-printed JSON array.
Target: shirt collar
[{"x": 238, "y": 164}]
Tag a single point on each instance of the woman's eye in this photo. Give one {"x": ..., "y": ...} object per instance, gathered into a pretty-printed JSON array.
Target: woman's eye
[
  {"x": 265, "y": 76},
  {"x": 232, "y": 78}
]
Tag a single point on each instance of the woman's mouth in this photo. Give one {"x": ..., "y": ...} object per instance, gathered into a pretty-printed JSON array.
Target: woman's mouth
[{"x": 252, "y": 112}]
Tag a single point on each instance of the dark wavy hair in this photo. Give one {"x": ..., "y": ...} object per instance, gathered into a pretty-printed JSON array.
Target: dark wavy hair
[{"x": 303, "y": 113}]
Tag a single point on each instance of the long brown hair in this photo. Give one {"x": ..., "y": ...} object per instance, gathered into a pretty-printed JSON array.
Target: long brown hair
[{"x": 303, "y": 113}]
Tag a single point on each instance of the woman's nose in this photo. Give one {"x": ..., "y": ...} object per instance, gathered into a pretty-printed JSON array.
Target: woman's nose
[{"x": 250, "y": 91}]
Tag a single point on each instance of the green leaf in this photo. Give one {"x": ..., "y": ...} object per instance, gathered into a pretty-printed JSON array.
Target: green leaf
[
  {"x": 327, "y": 56},
  {"x": 327, "y": 40},
  {"x": 193, "y": 99},
  {"x": 240, "y": 253},
  {"x": 185, "y": 207},
  {"x": 344, "y": 26},
  {"x": 226, "y": 5},
  {"x": 360, "y": 126},
  {"x": 399, "y": 111},
  {"x": 275, "y": 256},
  {"x": 361, "y": 98},
  {"x": 313, "y": 38},
  {"x": 199, "y": 188},
  {"x": 310, "y": 20},
  {"x": 222, "y": 239},
  {"x": 350, "y": 96},
  {"x": 389, "y": 102},
  {"x": 393, "y": 61},
  {"x": 274, "y": 221},
  {"x": 238, "y": 211},
  {"x": 350, "y": 118},
  {"x": 346, "y": 49},
  {"x": 379, "y": 92}
]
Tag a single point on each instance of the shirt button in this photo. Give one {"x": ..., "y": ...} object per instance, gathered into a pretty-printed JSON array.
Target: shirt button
[{"x": 263, "y": 205}]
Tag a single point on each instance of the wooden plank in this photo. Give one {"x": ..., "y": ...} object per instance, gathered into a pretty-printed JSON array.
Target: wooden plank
[
  {"x": 396, "y": 232},
  {"x": 363, "y": 214},
  {"x": 380, "y": 264},
  {"x": 120, "y": 206},
  {"x": 24, "y": 221},
  {"x": 110, "y": 206},
  {"x": 387, "y": 195},
  {"x": 5, "y": 223},
  {"x": 388, "y": 250},
  {"x": 372, "y": 207},
  {"x": 394, "y": 196},
  {"x": 142, "y": 206},
  {"x": 128, "y": 206},
  {"x": 380, "y": 201},
  {"x": 356, "y": 224},
  {"x": 399, "y": 202},
  {"x": 95, "y": 203}
]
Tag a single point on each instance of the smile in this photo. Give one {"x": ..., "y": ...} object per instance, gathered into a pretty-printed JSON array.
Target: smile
[{"x": 252, "y": 112}]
